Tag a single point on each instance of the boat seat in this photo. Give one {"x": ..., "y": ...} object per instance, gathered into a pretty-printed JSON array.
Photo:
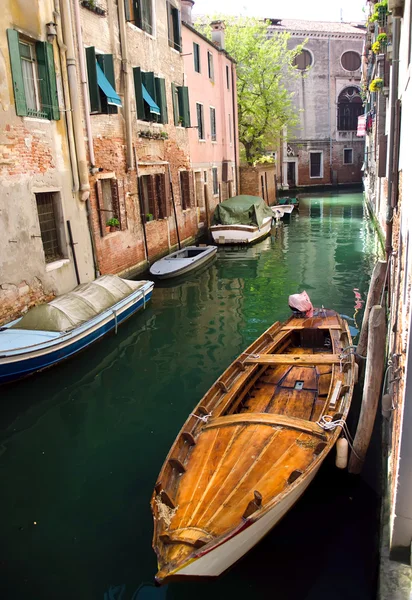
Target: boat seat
[
  {"x": 293, "y": 359},
  {"x": 268, "y": 419}
]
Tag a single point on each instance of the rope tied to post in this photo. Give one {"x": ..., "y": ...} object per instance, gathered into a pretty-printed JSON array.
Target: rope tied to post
[
  {"x": 203, "y": 418},
  {"x": 327, "y": 423}
]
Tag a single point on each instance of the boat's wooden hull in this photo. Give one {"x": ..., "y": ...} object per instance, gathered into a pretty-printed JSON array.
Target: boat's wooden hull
[
  {"x": 251, "y": 446},
  {"x": 240, "y": 234}
]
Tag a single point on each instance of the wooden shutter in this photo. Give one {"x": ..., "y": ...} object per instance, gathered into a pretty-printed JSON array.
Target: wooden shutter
[
  {"x": 127, "y": 11},
  {"x": 100, "y": 208},
  {"x": 166, "y": 184},
  {"x": 225, "y": 171},
  {"x": 160, "y": 85},
  {"x": 47, "y": 77},
  {"x": 184, "y": 109},
  {"x": 169, "y": 23},
  {"x": 176, "y": 30},
  {"x": 175, "y": 104},
  {"x": 185, "y": 189},
  {"x": 17, "y": 72},
  {"x": 115, "y": 200},
  {"x": 137, "y": 77},
  {"x": 137, "y": 9},
  {"x": 149, "y": 83},
  {"x": 94, "y": 94},
  {"x": 106, "y": 63}
]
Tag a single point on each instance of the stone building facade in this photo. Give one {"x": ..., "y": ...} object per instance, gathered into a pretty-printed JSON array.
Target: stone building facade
[{"x": 324, "y": 148}]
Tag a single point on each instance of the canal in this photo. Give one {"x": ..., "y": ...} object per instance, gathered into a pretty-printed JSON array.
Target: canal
[{"x": 81, "y": 445}]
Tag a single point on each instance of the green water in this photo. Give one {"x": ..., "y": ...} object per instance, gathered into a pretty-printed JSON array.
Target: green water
[{"x": 81, "y": 444}]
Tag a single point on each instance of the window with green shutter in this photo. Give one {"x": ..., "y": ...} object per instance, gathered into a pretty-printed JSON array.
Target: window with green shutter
[
  {"x": 137, "y": 78},
  {"x": 34, "y": 77},
  {"x": 173, "y": 25},
  {"x": 184, "y": 109},
  {"x": 102, "y": 85},
  {"x": 160, "y": 85},
  {"x": 140, "y": 13},
  {"x": 196, "y": 57}
]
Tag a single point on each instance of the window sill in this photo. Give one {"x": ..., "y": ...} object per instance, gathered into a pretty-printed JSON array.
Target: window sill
[
  {"x": 347, "y": 164},
  {"x": 135, "y": 27},
  {"x": 202, "y": 141},
  {"x": 316, "y": 177},
  {"x": 57, "y": 264},
  {"x": 174, "y": 50},
  {"x": 37, "y": 119}
]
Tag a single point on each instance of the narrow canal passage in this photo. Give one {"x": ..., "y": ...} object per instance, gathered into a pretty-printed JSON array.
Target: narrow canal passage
[{"x": 81, "y": 445}]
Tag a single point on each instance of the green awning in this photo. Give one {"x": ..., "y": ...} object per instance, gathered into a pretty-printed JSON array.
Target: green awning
[
  {"x": 153, "y": 108},
  {"x": 107, "y": 88}
]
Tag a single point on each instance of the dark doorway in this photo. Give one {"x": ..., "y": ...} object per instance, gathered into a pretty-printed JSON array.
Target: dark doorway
[{"x": 291, "y": 174}]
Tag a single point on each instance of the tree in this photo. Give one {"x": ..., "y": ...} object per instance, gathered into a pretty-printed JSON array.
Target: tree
[{"x": 264, "y": 63}]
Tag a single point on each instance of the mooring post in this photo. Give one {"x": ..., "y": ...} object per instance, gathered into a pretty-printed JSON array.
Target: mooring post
[
  {"x": 372, "y": 387},
  {"x": 374, "y": 298}
]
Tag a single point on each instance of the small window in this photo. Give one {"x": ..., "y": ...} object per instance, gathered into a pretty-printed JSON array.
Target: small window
[
  {"x": 173, "y": 23},
  {"x": 303, "y": 60},
  {"x": 185, "y": 189},
  {"x": 109, "y": 203},
  {"x": 350, "y": 61},
  {"x": 215, "y": 181},
  {"x": 154, "y": 195},
  {"x": 34, "y": 77},
  {"x": 200, "y": 121},
  {"x": 316, "y": 166},
  {"x": 213, "y": 124},
  {"x": 140, "y": 13},
  {"x": 210, "y": 68},
  {"x": 347, "y": 156},
  {"x": 227, "y": 77},
  {"x": 50, "y": 235},
  {"x": 196, "y": 57}
]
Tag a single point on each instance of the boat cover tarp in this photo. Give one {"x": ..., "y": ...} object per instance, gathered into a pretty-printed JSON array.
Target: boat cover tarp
[
  {"x": 241, "y": 210},
  {"x": 75, "y": 308}
]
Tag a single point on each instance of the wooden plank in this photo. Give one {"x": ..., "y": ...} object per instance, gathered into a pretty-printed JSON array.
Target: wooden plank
[
  {"x": 335, "y": 395},
  {"x": 267, "y": 419},
  {"x": 302, "y": 326},
  {"x": 294, "y": 359}
]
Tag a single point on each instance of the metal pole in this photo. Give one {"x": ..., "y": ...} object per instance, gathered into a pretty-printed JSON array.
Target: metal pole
[
  {"x": 140, "y": 198},
  {"x": 72, "y": 245},
  {"x": 174, "y": 205}
]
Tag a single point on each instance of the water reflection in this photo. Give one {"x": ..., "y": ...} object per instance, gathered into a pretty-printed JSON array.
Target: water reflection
[{"x": 81, "y": 445}]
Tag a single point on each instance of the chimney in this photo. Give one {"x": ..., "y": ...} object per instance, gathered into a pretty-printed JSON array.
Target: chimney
[
  {"x": 218, "y": 33},
  {"x": 187, "y": 6}
]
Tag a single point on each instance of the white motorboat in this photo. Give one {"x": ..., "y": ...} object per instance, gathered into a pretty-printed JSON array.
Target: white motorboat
[{"x": 182, "y": 261}]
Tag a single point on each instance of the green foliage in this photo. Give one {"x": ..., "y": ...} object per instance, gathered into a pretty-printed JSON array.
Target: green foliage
[
  {"x": 264, "y": 160},
  {"x": 376, "y": 85},
  {"x": 382, "y": 38},
  {"x": 264, "y": 65},
  {"x": 379, "y": 11},
  {"x": 113, "y": 222},
  {"x": 149, "y": 217},
  {"x": 376, "y": 47}
]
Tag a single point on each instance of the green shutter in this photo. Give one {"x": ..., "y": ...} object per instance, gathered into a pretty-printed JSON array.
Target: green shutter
[
  {"x": 184, "y": 109},
  {"x": 175, "y": 104},
  {"x": 137, "y": 78},
  {"x": 148, "y": 80},
  {"x": 127, "y": 10},
  {"x": 47, "y": 77},
  {"x": 137, "y": 9},
  {"x": 161, "y": 99},
  {"x": 54, "y": 109},
  {"x": 176, "y": 30},
  {"x": 106, "y": 63},
  {"x": 17, "y": 73},
  {"x": 94, "y": 94}
]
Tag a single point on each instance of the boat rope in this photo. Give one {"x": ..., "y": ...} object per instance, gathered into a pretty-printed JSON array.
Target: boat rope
[
  {"x": 115, "y": 320},
  {"x": 326, "y": 422},
  {"x": 203, "y": 418},
  {"x": 252, "y": 355},
  {"x": 351, "y": 347}
]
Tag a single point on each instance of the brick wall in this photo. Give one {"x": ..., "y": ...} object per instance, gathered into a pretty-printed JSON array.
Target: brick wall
[
  {"x": 252, "y": 179},
  {"x": 17, "y": 299}
]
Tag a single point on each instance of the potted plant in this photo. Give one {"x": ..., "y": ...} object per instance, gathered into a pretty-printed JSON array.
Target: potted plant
[
  {"x": 376, "y": 85},
  {"x": 149, "y": 217},
  {"x": 113, "y": 223},
  {"x": 376, "y": 47},
  {"x": 164, "y": 135},
  {"x": 180, "y": 121}
]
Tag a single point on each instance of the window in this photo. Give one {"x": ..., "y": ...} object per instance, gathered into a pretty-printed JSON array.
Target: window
[
  {"x": 316, "y": 164},
  {"x": 196, "y": 56},
  {"x": 140, "y": 13},
  {"x": 100, "y": 74},
  {"x": 349, "y": 109},
  {"x": 200, "y": 121},
  {"x": 347, "y": 156},
  {"x": 150, "y": 92},
  {"x": 215, "y": 181},
  {"x": 303, "y": 60},
  {"x": 181, "y": 108},
  {"x": 212, "y": 123},
  {"x": 153, "y": 191},
  {"x": 350, "y": 61},
  {"x": 34, "y": 77},
  {"x": 108, "y": 203},
  {"x": 227, "y": 77},
  {"x": 185, "y": 189},
  {"x": 210, "y": 69},
  {"x": 50, "y": 235},
  {"x": 173, "y": 24}
]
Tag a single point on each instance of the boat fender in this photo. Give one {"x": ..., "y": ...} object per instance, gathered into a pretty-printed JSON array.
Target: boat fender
[
  {"x": 341, "y": 453},
  {"x": 355, "y": 373},
  {"x": 386, "y": 406}
]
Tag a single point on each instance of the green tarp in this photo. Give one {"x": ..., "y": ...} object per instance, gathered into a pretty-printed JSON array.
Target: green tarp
[{"x": 241, "y": 210}]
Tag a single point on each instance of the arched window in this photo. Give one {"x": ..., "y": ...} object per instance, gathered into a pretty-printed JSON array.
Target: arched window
[
  {"x": 350, "y": 61},
  {"x": 349, "y": 109},
  {"x": 303, "y": 60}
]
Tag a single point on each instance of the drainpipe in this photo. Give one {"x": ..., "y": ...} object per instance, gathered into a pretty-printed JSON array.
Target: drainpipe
[
  {"x": 125, "y": 69},
  {"x": 234, "y": 121},
  {"x": 85, "y": 87},
  {"x": 67, "y": 103},
  {"x": 329, "y": 119},
  {"x": 392, "y": 133},
  {"x": 75, "y": 100}
]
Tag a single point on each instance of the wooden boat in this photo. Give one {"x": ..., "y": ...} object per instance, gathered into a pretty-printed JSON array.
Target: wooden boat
[
  {"x": 241, "y": 234},
  {"x": 280, "y": 210},
  {"x": 251, "y": 446},
  {"x": 183, "y": 261},
  {"x": 50, "y": 333},
  {"x": 241, "y": 220}
]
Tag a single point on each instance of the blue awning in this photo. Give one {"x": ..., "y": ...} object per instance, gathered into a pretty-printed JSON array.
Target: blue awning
[
  {"x": 153, "y": 108},
  {"x": 107, "y": 88}
]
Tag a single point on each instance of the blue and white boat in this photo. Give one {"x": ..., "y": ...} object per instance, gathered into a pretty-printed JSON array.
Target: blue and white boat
[{"x": 50, "y": 333}]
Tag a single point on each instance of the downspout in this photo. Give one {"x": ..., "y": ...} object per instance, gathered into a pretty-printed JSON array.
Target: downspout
[
  {"x": 329, "y": 119},
  {"x": 75, "y": 100},
  {"x": 85, "y": 87},
  {"x": 392, "y": 136},
  {"x": 234, "y": 122},
  {"x": 125, "y": 69},
  {"x": 67, "y": 102}
]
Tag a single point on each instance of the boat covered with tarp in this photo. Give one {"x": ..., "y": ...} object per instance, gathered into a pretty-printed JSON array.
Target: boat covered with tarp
[
  {"x": 241, "y": 220},
  {"x": 49, "y": 333}
]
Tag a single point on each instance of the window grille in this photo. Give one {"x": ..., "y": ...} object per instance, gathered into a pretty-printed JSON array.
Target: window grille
[{"x": 48, "y": 227}]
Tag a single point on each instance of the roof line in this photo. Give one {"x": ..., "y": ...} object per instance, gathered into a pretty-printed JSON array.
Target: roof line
[{"x": 206, "y": 39}]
